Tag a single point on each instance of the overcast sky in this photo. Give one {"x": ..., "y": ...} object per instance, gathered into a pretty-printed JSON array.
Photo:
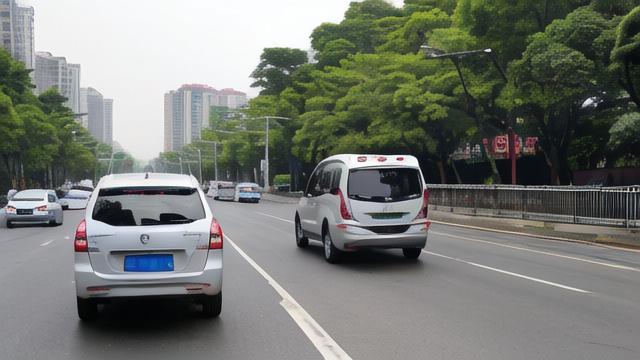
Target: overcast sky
[{"x": 136, "y": 50}]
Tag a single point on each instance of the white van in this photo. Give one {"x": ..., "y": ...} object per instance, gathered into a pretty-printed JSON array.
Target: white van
[{"x": 365, "y": 201}]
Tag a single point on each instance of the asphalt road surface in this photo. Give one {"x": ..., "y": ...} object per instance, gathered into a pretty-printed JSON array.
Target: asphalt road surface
[{"x": 471, "y": 295}]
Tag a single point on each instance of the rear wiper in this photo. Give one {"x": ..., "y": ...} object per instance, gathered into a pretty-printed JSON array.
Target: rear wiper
[
  {"x": 181, "y": 221},
  {"x": 359, "y": 197}
]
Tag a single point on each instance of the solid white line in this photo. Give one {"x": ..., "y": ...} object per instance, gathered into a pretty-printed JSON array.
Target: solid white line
[
  {"x": 327, "y": 347},
  {"x": 615, "y": 266},
  {"x": 541, "y": 237},
  {"x": 47, "y": 243},
  {"x": 509, "y": 273},
  {"x": 275, "y": 217}
]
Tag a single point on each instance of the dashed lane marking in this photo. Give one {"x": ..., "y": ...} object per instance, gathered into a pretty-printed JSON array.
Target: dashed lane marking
[{"x": 540, "y": 281}]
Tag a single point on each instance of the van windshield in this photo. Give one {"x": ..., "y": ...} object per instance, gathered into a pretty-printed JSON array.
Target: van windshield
[
  {"x": 148, "y": 206},
  {"x": 384, "y": 185}
]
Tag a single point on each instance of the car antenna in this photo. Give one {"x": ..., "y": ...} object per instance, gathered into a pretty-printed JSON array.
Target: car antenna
[{"x": 146, "y": 176}]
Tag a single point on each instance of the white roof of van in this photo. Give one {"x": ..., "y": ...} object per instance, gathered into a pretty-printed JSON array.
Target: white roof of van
[
  {"x": 147, "y": 179},
  {"x": 370, "y": 160}
]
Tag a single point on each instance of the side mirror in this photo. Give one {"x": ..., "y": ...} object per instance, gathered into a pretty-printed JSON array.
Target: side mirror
[{"x": 334, "y": 191}]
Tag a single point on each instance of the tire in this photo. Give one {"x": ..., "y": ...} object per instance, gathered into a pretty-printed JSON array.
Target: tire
[
  {"x": 331, "y": 253},
  {"x": 53, "y": 222},
  {"x": 87, "y": 309},
  {"x": 9, "y": 224},
  {"x": 212, "y": 305},
  {"x": 301, "y": 240},
  {"x": 411, "y": 253}
]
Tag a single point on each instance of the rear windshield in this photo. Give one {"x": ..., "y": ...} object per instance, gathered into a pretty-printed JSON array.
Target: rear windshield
[
  {"x": 384, "y": 185},
  {"x": 29, "y": 195},
  {"x": 148, "y": 206}
]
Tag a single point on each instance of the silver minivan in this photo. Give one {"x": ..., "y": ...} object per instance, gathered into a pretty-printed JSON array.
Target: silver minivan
[
  {"x": 148, "y": 235},
  {"x": 364, "y": 201}
]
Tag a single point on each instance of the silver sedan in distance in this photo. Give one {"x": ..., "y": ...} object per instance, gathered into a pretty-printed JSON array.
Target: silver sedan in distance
[{"x": 34, "y": 206}]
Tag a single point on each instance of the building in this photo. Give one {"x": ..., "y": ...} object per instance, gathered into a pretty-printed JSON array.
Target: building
[
  {"x": 95, "y": 117},
  {"x": 84, "y": 108},
  {"x": 231, "y": 98},
  {"x": 186, "y": 112},
  {"x": 16, "y": 31},
  {"x": 108, "y": 121},
  {"x": 73, "y": 93},
  {"x": 54, "y": 72}
]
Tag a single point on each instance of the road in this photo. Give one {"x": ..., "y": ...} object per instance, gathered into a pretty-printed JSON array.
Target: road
[{"x": 471, "y": 295}]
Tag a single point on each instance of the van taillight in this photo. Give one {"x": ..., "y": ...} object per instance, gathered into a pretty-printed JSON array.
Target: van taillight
[
  {"x": 215, "y": 239},
  {"x": 344, "y": 211},
  {"x": 425, "y": 205},
  {"x": 80, "y": 243}
]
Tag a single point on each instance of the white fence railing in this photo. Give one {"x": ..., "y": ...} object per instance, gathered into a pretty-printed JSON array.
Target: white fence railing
[{"x": 611, "y": 206}]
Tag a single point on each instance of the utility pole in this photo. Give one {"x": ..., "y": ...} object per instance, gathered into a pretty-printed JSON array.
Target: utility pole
[
  {"x": 432, "y": 53},
  {"x": 266, "y": 155},
  {"x": 200, "y": 164}
]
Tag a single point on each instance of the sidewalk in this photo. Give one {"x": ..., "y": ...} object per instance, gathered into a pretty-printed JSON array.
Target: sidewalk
[{"x": 612, "y": 236}]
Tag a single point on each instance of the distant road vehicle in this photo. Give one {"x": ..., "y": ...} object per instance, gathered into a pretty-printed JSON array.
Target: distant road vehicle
[
  {"x": 364, "y": 201},
  {"x": 214, "y": 186},
  {"x": 226, "y": 191},
  {"x": 247, "y": 192},
  {"x": 148, "y": 235},
  {"x": 34, "y": 206},
  {"x": 75, "y": 199}
]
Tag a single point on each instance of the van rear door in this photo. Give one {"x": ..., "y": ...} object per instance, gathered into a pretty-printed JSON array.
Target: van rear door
[{"x": 391, "y": 195}]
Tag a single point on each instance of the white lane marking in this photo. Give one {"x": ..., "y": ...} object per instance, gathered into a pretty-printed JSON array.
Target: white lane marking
[
  {"x": 536, "y": 236},
  {"x": 615, "y": 266},
  {"x": 47, "y": 243},
  {"x": 67, "y": 238},
  {"x": 275, "y": 217},
  {"x": 509, "y": 273},
  {"x": 327, "y": 347}
]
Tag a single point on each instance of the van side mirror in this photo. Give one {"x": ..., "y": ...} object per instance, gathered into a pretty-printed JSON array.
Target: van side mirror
[{"x": 334, "y": 191}]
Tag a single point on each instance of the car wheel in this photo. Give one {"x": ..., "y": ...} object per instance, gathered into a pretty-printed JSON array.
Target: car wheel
[
  {"x": 411, "y": 253},
  {"x": 212, "y": 305},
  {"x": 9, "y": 224},
  {"x": 87, "y": 309},
  {"x": 301, "y": 240},
  {"x": 331, "y": 253},
  {"x": 53, "y": 222}
]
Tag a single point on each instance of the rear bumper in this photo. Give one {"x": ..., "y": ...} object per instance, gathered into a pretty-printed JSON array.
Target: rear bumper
[
  {"x": 90, "y": 284},
  {"x": 353, "y": 237},
  {"x": 30, "y": 218}
]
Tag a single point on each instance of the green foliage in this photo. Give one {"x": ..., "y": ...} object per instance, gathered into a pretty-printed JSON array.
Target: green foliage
[
  {"x": 275, "y": 69},
  {"x": 282, "y": 179},
  {"x": 372, "y": 91},
  {"x": 625, "y": 135}
]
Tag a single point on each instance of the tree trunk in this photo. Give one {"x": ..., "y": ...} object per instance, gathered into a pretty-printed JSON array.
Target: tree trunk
[{"x": 441, "y": 171}]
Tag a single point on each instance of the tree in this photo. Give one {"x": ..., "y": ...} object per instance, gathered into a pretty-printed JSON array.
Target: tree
[
  {"x": 625, "y": 138},
  {"x": 275, "y": 69},
  {"x": 626, "y": 54}
]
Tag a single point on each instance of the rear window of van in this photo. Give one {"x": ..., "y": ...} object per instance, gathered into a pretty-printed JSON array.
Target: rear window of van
[{"x": 384, "y": 185}]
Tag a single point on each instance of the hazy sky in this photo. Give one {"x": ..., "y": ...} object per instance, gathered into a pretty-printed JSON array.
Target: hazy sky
[{"x": 136, "y": 50}]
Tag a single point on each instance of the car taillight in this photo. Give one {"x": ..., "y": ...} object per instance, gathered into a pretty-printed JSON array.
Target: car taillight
[
  {"x": 42, "y": 208},
  {"x": 344, "y": 211},
  {"x": 80, "y": 243},
  {"x": 215, "y": 239},
  {"x": 425, "y": 205}
]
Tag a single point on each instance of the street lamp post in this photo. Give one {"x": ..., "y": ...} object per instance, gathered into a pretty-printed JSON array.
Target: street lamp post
[
  {"x": 432, "y": 53},
  {"x": 200, "y": 164},
  {"x": 266, "y": 147}
]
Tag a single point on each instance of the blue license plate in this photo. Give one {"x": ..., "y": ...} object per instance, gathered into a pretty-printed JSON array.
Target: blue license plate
[{"x": 148, "y": 263}]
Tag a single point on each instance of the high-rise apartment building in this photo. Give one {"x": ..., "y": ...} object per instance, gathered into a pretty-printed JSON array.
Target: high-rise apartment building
[
  {"x": 16, "y": 31},
  {"x": 84, "y": 108},
  {"x": 54, "y": 72},
  {"x": 95, "y": 117},
  {"x": 108, "y": 121},
  {"x": 186, "y": 112}
]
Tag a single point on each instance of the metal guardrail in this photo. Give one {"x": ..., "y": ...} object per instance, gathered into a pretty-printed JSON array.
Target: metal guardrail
[{"x": 610, "y": 206}]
